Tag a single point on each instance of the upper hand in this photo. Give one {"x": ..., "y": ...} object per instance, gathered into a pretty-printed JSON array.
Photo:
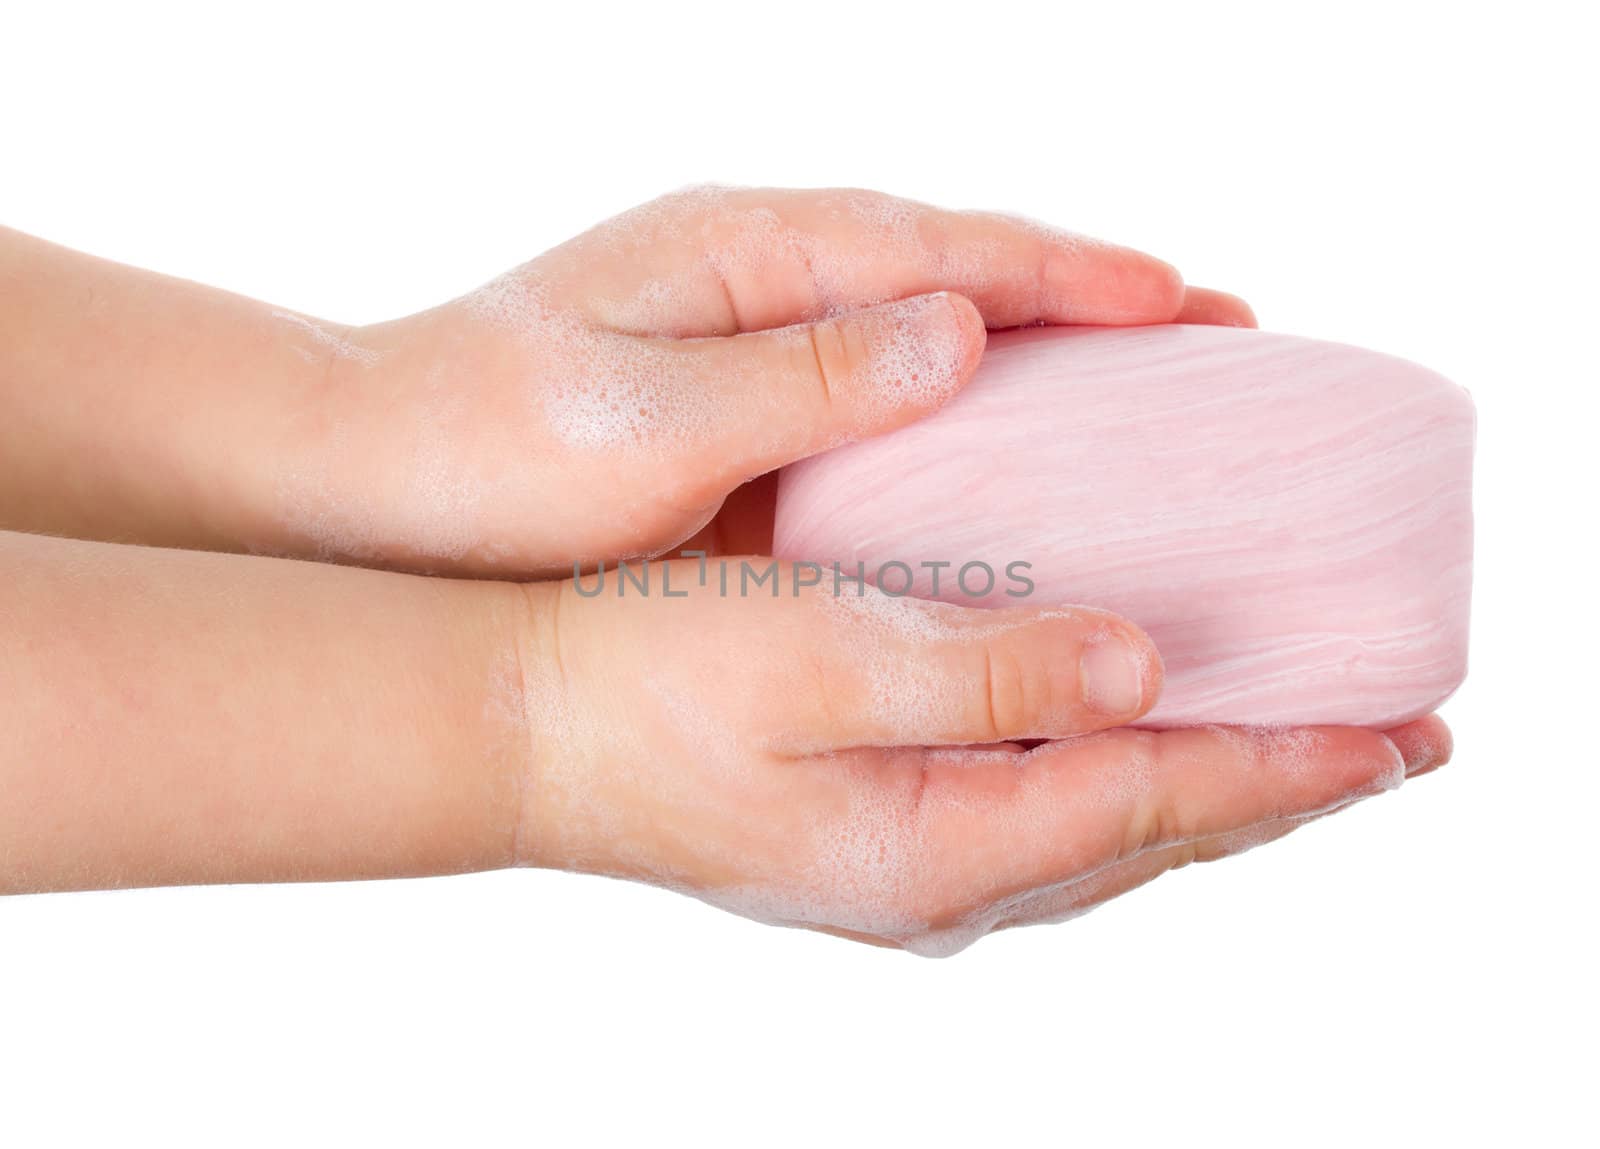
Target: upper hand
[{"x": 602, "y": 401}]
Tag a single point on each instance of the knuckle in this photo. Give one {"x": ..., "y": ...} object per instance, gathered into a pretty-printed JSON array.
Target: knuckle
[
  {"x": 838, "y": 349},
  {"x": 823, "y": 346},
  {"x": 1184, "y": 854},
  {"x": 1029, "y": 691},
  {"x": 1007, "y": 693},
  {"x": 1156, "y": 818}
]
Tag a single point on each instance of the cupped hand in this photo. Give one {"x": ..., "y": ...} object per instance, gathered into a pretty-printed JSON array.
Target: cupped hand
[
  {"x": 602, "y": 401},
  {"x": 856, "y": 764}
]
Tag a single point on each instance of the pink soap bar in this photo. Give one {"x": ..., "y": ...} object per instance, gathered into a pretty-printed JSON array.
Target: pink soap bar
[{"x": 1290, "y": 520}]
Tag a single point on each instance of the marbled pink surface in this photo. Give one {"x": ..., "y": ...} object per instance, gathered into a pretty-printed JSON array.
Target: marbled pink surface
[{"x": 1289, "y": 519}]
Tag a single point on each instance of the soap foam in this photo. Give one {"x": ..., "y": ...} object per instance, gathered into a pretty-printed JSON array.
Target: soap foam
[{"x": 596, "y": 391}]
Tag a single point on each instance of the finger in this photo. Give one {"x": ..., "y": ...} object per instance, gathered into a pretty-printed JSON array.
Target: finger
[
  {"x": 812, "y": 661},
  {"x": 994, "y": 827},
  {"x": 1054, "y": 904},
  {"x": 893, "y": 671},
  {"x": 1057, "y": 904},
  {"x": 1426, "y": 744},
  {"x": 785, "y": 394},
  {"x": 715, "y": 261},
  {"x": 1218, "y": 780},
  {"x": 1214, "y": 308}
]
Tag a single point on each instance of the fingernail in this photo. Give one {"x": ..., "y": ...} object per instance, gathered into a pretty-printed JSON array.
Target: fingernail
[{"x": 1111, "y": 676}]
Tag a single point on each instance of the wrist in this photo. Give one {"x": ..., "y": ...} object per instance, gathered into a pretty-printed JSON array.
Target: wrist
[
  {"x": 554, "y": 766},
  {"x": 389, "y": 453},
  {"x": 279, "y": 476}
]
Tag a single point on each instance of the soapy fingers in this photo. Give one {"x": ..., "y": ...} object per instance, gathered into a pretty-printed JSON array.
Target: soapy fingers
[
  {"x": 987, "y": 828},
  {"x": 855, "y": 666},
  {"x": 789, "y": 393},
  {"x": 851, "y": 376},
  {"x": 1424, "y": 745},
  {"x": 716, "y": 261},
  {"x": 885, "y": 672}
]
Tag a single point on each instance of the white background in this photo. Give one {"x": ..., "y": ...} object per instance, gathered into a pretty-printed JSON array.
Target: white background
[{"x": 1415, "y": 180}]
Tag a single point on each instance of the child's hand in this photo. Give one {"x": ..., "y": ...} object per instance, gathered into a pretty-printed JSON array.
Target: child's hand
[
  {"x": 766, "y": 753},
  {"x": 602, "y": 401},
  {"x": 186, "y": 717},
  {"x": 597, "y": 403}
]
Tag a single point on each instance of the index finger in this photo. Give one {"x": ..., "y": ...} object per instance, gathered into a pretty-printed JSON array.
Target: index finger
[{"x": 718, "y": 261}]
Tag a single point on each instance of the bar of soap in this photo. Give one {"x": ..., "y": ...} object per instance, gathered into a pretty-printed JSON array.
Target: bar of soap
[{"x": 1290, "y": 520}]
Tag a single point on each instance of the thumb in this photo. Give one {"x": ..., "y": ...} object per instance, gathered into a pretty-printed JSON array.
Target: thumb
[{"x": 793, "y": 391}]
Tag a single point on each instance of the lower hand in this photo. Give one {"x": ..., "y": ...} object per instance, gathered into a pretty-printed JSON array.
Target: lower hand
[{"x": 853, "y": 764}]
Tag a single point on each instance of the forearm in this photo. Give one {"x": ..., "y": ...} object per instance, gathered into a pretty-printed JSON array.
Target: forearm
[
  {"x": 143, "y": 408},
  {"x": 172, "y": 717}
]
